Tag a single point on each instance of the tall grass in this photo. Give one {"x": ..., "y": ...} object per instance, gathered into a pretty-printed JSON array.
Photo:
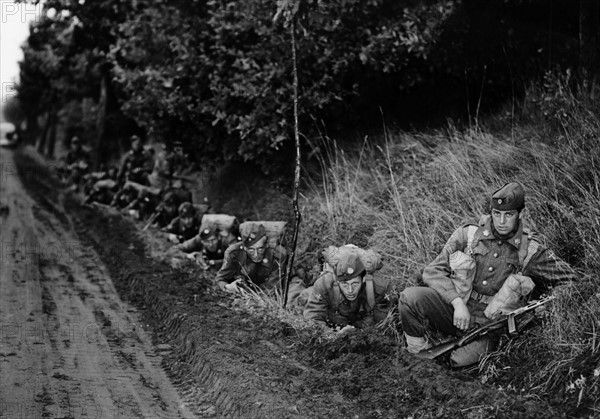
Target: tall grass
[{"x": 404, "y": 193}]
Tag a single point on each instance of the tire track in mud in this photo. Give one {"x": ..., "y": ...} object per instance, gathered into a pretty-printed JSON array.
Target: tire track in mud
[{"x": 64, "y": 329}]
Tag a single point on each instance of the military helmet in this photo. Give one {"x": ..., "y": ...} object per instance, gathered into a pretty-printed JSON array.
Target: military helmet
[{"x": 187, "y": 210}]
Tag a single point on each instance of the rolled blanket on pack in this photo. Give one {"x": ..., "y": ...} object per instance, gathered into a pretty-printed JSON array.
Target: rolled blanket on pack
[
  {"x": 510, "y": 296},
  {"x": 276, "y": 231},
  {"x": 371, "y": 260}
]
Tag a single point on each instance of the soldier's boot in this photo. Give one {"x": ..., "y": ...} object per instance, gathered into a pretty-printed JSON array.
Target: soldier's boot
[
  {"x": 471, "y": 353},
  {"x": 415, "y": 344}
]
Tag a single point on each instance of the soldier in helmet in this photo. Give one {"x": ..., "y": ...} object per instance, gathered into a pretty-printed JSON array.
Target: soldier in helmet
[
  {"x": 208, "y": 247},
  {"x": 167, "y": 209},
  {"x": 134, "y": 163},
  {"x": 185, "y": 225},
  {"x": 252, "y": 262},
  {"x": 347, "y": 298},
  {"x": 508, "y": 262}
]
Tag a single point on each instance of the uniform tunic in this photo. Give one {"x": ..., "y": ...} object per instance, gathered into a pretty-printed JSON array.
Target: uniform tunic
[
  {"x": 426, "y": 308},
  {"x": 322, "y": 304},
  {"x": 132, "y": 160},
  {"x": 265, "y": 273},
  {"x": 195, "y": 245},
  {"x": 176, "y": 227},
  {"x": 495, "y": 260}
]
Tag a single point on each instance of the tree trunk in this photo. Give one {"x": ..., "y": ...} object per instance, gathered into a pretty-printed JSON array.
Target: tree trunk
[
  {"x": 297, "y": 215},
  {"x": 32, "y": 129},
  {"x": 589, "y": 38},
  {"x": 42, "y": 144},
  {"x": 99, "y": 150},
  {"x": 52, "y": 134}
]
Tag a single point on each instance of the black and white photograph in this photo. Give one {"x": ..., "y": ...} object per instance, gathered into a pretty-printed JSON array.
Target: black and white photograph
[{"x": 279, "y": 209}]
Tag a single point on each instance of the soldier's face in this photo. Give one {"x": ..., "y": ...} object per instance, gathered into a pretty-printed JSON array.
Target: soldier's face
[
  {"x": 187, "y": 222},
  {"x": 351, "y": 288},
  {"x": 505, "y": 222},
  {"x": 171, "y": 210},
  {"x": 210, "y": 243},
  {"x": 257, "y": 250},
  {"x": 136, "y": 146}
]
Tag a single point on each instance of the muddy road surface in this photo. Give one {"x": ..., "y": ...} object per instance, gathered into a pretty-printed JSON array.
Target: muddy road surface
[{"x": 69, "y": 346}]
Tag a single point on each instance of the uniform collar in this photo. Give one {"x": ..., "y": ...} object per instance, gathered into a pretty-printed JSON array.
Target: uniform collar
[{"x": 487, "y": 234}]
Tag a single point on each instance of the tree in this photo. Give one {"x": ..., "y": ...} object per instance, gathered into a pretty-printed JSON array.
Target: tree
[{"x": 589, "y": 38}]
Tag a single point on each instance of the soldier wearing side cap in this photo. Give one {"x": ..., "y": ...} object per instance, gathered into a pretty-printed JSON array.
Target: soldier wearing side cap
[
  {"x": 209, "y": 245},
  {"x": 345, "y": 297},
  {"x": 252, "y": 261},
  {"x": 185, "y": 225},
  {"x": 509, "y": 262}
]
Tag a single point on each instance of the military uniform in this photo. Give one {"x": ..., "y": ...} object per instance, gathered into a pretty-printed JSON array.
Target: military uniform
[
  {"x": 328, "y": 304},
  {"x": 131, "y": 161},
  {"x": 266, "y": 273},
  {"x": 496, "y": 258},
  {"x": 176, "y": 227}
]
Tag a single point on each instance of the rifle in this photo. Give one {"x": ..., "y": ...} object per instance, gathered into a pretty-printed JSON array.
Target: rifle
[
  {"x": 153, "y": 217},
  {"x": 509, "y": 319}
]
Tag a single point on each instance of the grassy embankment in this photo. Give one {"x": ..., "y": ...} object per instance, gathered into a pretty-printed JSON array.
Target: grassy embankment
[{"x": 405, "y": 193}]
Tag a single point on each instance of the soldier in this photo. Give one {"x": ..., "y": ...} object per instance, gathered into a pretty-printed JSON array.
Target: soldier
[
  {"x": 76, "y": 163},
  {"x": 185, "y": 225},
  {"x": 134, "y": 163},
  {"x": 344, "y": 297},
  {"x": 103, "y": 188},
  {"x": 208, "y": 246},
  {"x": 166, "y": 210},
  {"x": 508, "y": 259},
  {"x": 252, "y": 261}
]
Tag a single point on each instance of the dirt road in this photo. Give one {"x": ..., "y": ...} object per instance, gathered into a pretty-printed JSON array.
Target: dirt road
[{"x": 69, "y": 347}]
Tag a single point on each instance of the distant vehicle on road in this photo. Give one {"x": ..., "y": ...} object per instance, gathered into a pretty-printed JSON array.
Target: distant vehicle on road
[{"x": 8, "y": 134}]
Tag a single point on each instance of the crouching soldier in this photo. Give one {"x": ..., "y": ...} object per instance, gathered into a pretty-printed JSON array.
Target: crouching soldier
[
  {"x": 253, "y": 261},
  {"x": 345, "y": 297},
  {"x": 185, "y": 225},
  {"x": 506, "y": 263}
]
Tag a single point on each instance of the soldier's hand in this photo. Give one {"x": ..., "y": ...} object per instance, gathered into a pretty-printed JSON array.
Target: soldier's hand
[
  {"x": 193, "y": 256},
  {"x": 462, "y": 317},
  {"x": 345, "y": 329},
  {"x": 233, "y": 287},
  {"x": 173, "y": 238}
]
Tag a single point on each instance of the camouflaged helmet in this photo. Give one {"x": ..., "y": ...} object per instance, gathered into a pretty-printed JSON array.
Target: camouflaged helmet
[
  {"x": 349, "y": 266},
  {"x": 509, "y": 197},
  {"x": 187, "y": 210}
]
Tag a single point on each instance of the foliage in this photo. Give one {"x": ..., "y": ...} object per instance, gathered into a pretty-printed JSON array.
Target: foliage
[
  {"x": 405, "y": 193},
  {"x": 216, "y": 75}
]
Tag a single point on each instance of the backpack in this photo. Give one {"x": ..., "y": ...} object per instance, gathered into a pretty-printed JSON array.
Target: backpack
[
  {"x": 224, "y": 222},
  {"x": 276, "y": 231}
]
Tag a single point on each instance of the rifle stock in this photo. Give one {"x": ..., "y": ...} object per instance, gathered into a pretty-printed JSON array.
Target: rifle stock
[
  {"x": 151, "y": 219},
  {"x": 509, "y": 319}
]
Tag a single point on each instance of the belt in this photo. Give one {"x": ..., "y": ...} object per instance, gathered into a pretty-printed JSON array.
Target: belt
[{"x": 481, "y": 298}]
